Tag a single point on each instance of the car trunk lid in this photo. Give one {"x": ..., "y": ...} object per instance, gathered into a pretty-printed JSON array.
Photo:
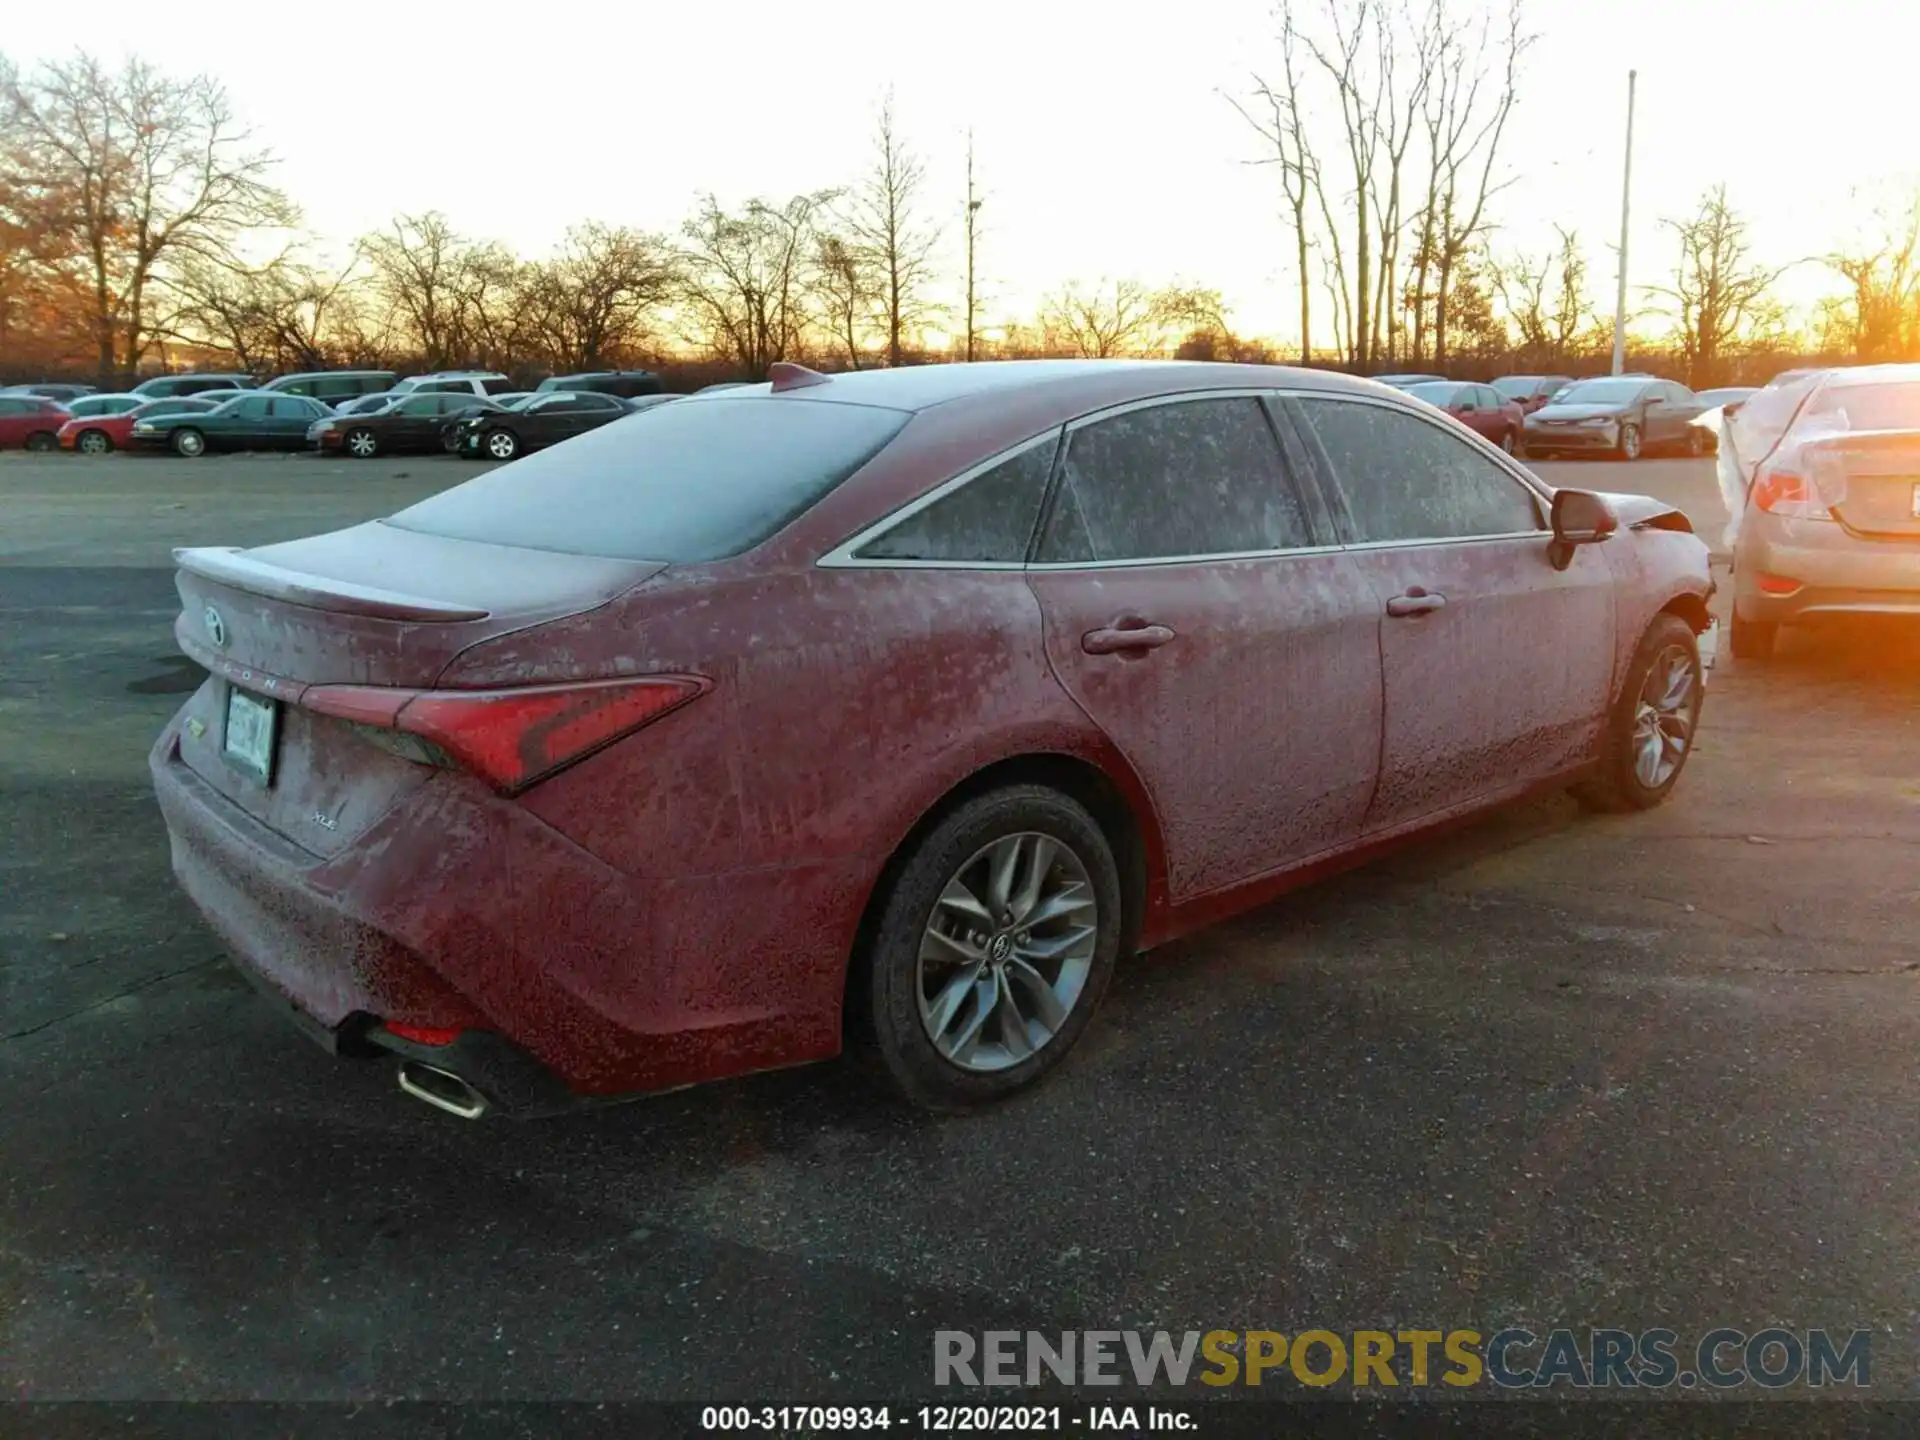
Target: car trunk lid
[
  {"x": 1869, "y": 479},
  {"x": 371, "y": 606}
]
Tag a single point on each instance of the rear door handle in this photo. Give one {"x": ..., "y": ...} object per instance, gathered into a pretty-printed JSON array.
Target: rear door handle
[
  {"x": 1415, "y": 602},
  {"x": 1118, "y": 639}
]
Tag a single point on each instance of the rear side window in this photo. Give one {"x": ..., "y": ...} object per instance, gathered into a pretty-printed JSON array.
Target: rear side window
[
  {"x": 1196, "y": 477},
  {"x": 1406, "y": 479},
  {"x": 692, "y": 481},
  {"x": 989, "y": 519}
]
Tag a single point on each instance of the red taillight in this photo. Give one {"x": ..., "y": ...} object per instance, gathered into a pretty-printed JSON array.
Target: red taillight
[
  {"x": 424, "y": 1034},
  {"x": 512, "y": 738},
  {"x": 1784, "y": 493},
  {"x": 1777, "y": 585}
]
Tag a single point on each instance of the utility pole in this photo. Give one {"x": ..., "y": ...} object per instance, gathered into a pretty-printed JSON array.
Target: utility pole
[
  {"x": 973, "y": 212},
  {"x": 1626, "y": 195}
]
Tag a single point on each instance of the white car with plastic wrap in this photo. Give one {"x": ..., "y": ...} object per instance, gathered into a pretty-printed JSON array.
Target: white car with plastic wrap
[{"x": 1821, "y": 476}]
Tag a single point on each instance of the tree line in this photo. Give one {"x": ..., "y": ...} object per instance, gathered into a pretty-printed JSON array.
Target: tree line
[{"x": 140, "y": 227}]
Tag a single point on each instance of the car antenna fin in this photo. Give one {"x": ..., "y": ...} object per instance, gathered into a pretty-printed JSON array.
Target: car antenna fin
[{"x": 785, "y": 375}]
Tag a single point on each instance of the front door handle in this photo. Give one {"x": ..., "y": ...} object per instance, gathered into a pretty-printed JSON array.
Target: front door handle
[
  {"x": 1415, "y": 601},
  {"x": 1119, "y": 639}
]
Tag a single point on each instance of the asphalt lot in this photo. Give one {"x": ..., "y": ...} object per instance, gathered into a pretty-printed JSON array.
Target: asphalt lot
[{"x": 1551, "y": 1070}]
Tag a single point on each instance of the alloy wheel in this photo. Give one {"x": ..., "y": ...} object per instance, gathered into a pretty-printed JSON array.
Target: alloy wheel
[
  {"x": 501, "y": 445},
  {"x": 1006, "y": 952},
  {"x": 189, "y": 443},
  {"x": 92, "y": 442},
  {"x": 1663, "y": 717},
  {"x": 361, "y": 444}
]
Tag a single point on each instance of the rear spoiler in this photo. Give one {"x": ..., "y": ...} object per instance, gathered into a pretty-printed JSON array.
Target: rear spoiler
[{"x": 229, "y": 565}]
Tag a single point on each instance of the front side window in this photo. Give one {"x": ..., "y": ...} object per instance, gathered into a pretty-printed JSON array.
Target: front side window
[
  {"x": 422, "y": 405},
  {"x": 1191, "y": 478},
  {"x": 988, "y": 520},
  {"x": 1405, "y": 479},
  {"x": 257, "y": 409}
]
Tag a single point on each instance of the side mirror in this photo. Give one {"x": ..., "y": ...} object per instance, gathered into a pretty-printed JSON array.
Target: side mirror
[{"x": 1579, "y": 518}]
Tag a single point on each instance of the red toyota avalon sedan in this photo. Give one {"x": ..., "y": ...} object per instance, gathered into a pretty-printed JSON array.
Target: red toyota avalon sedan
[{"x": 891, "y": 706}]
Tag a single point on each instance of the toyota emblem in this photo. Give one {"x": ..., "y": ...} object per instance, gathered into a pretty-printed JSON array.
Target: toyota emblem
[{"x": 216, "y": 628}]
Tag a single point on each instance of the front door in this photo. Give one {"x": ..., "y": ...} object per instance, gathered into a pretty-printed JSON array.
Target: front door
[
  {"x": 1497, "y": 666},
  {"x": 1190, "y": 612}
]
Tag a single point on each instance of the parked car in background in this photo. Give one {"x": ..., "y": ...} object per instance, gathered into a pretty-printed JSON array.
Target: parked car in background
[
  {"x": 99, "y": 434},
  {"x": 1830, "y": 525},
  {"x": 334, "y": 387},
  {"x": 87, "y": 406},
  {"x": 1480, "y": 408},
  {"x": 367, "y": 404},
  {"x": 1530, "y": 392},
  {"x": 469, "y": 382},
  {"x": 1788, "y": 377},
  {"x": 721, "y": 385},
  {"x": 409, "y": 424},
  {"x": 1403, "y": 382},
  {"x": 627, "y": 384},
  {"x": 51, "y": 390},
  {"x": 509, "y": 400},
  {"x": 1726, "y": 399},
  {"x": 1620, "y": 415},
  {"x": 160, "y": 386},
  {"x": 542, "y": 421},
  {"x": 31, "y": 422},
  {"x": 252, "y": 421},
  {"x": 391, "y": 795}
]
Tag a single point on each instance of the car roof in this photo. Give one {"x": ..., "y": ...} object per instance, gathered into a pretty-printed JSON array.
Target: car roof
[
  {"x": 1090, "y": 382},
  {"x": 1871, "y": 375}
]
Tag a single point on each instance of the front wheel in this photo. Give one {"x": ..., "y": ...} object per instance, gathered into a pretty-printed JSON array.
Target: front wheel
[
  {"x": 502, "y": 444},
  {"x": 362, "y": 444},
  {"x": 1651, "y": 729},
  {"x": 189, "y": 444},
  {"x": 1629, "y": 447},
  {"x": 93, "y": 442},
  {"x": 994, "y": 946}
]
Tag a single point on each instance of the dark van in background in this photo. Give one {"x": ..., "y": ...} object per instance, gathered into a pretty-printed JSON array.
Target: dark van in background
[{"x": 627, "y": 384}]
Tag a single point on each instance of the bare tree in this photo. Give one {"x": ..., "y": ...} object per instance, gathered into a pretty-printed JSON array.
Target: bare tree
[
  {"x": 1119, "y": 317},
  {"x": 1717, "y": 290},
  {"x": 1545, "y": 300},
  {"x": 1878, "y": 318},
  {"x": 1342, "y": 61},
  {"x": 590, "y": 303},
  {"x": 845, "y": 290},
  {"x": 884, "y": 216},
  {"x": 134, "y": 170},
  {"x": 416, "y": 267},
  {"x": 1283, "y": 128},
  {"x": 746, "y": 278}
]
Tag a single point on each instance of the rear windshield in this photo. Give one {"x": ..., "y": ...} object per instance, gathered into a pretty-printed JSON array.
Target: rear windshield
[
  {"x": 678, "y": 483},
  {"x": 1867, "y": 407}
]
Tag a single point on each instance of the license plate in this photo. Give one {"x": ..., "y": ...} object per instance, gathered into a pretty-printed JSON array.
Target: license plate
[
  {"x": 1709, "y": 643},
  {"x": 251, "y": 723}
]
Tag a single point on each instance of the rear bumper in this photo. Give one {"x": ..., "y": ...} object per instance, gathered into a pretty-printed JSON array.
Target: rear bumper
[
  {"x": 1837, "y": 573},
  {"x": 461, "y": 910}
]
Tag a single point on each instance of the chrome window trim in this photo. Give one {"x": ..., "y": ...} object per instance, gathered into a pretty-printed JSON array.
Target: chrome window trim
[{"x": 844, "y": 556}]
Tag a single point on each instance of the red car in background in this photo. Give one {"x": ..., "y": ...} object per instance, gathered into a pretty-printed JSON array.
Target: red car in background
[
  {"x": 31, "y": 422},
  {"x": 98, "y": 434},
  {"x": 898, "y": 704},
  {"x": 1480, "y": 408},
  {"x": 1530, "y": 392}
]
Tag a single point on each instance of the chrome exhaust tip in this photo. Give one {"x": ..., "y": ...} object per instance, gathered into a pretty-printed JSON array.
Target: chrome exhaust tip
[{"x": 442, "y": 1089}]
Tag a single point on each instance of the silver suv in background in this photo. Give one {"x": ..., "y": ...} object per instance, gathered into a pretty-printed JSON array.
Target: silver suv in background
[
  {"x": 483, "y": 383},
  {"x": 1822, "y": 477}
]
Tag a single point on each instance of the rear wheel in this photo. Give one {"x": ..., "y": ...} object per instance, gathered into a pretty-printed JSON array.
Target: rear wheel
[
  {"x": 1650, "y": 732},
  {"x": 93, "y": 442},
  {"x": 502, "y": 444},
  {"x": 1629, "y": 446},
  {"x": 362, "y": 444},
  {"x": 993, "y": 948},
  {"x": 1754, "y": 639},
  {"x": 189, "y": 444},
  {"x": 43, "y": 440}
]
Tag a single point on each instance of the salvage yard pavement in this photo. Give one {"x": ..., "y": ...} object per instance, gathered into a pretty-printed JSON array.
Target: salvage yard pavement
[{"x": 1548, "y": 1070}]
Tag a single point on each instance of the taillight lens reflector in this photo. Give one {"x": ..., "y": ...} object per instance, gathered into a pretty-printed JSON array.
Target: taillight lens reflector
[
  {"x": 1787, "y": 494},
  {"x": 513, "y": 738}
]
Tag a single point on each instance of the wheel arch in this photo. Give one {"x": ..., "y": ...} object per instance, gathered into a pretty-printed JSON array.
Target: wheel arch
[
  {"x": 1106, "y": 787},
  {"x": 1690, "y": 606}
]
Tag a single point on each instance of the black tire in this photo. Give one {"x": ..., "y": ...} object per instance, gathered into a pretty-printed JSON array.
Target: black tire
[
  {"x": 501, "y": 445},
  {"x": 188, "y": 443},
  {"x": 1754, "y": 639},
  {"x": 43, "y": 440},
  {"x": 890, "y": 985},
  {"x": 1616, "y": 786},
  {"x": 1629, "y": 448},
  {"x": 93, "y": 442}
]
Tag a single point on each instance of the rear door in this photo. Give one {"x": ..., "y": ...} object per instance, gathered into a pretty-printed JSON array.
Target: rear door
[
  {"x": 582, "y": 413},
  {"x": 1497, "y": 667},
  {"x": 1195, "y": 612}
]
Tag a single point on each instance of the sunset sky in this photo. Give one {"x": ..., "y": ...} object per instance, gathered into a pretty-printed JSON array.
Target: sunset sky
[{"x": 1103, "y": 142}]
